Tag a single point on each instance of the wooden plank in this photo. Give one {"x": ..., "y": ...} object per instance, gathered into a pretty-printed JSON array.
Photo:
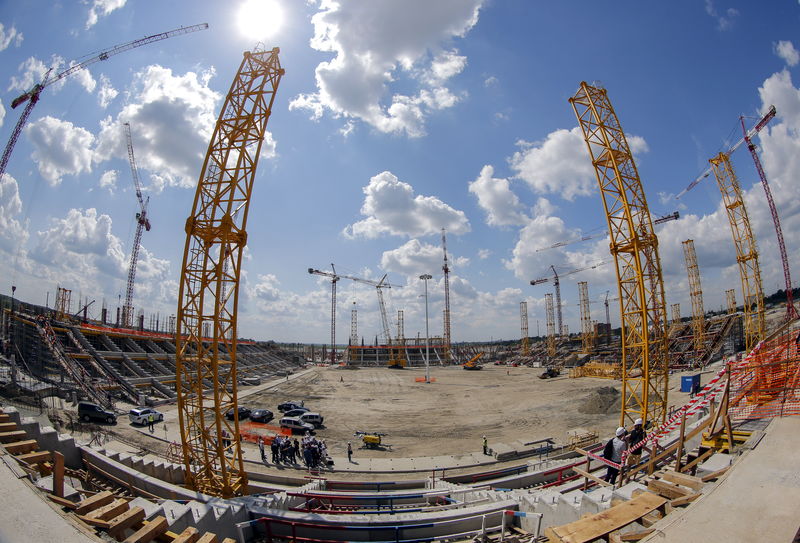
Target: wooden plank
[
  {"x": 96, "y": 522},
  {"x": 605, "y": 522},
  {"x": 695, "y": 483},
  {"x": 5, "y": 417},
  {"x": 685, "y": 500},
  {"x": 149, "y": 531},
  {"x": 211, "y": 537},
  {"x": 35, "y": 457},
  {"x": 58, "y": 474},
  {"x": 21, "y": 447},
  {"x": 636, "y": 536},
  {"x": 699, "y": 459},
  {"x": 98, "y": 500},
  {"x": 8, "y": 426},
  {"x": 714, "y": 475},
  {"x": 189, "y": 535},
  {"x": 109, "y": 511},
  {"x": 125, "y": 521},
  {"x": 16, "y": 435},
  {"x": 63, "y": 502},
  {"x": 667, "y": 489},
  {"x": 588, "y": 475},
  {"x": 228, "y": 540}
]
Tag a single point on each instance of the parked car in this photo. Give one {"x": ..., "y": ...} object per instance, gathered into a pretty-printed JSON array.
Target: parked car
[
  {"x": 244, "y": 412},
  {"x": 141, "y": 415},
  {"x": 261, "y": 415},
  {"x": 91, "y": 411},
  {"x": 296, "y": 412},
  {"x": 296, "y": 424},
  {"x": 312, "y": 418},
  {"x": 288, "y": 406}
]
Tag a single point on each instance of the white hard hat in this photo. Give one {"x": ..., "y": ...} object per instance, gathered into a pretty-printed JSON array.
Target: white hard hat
[
  {"x": 620, "y": 431},
  {"x": 637, "y": 422}
]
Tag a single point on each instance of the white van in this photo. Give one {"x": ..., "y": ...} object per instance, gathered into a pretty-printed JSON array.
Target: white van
[
  {"x": 295, "y": 423},
  {"x": 312, "y": 418}
]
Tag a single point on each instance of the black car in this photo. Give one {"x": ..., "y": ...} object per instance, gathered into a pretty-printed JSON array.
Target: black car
[
  {"x": 261, "y": 415},
  {"x": 244, "y": 412},
  {"x": 296, "y": 412},
  {"x": 288, "y": 406},
  {"x": 91, "y": 411}
]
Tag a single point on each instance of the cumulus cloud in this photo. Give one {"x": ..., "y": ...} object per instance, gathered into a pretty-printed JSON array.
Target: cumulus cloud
[
  {"x": 483, "y": 254},
  {"x": 109, "y": 180},
  {"x": 9, "y": 36},
  {"x": 172, "y": 117},
  {"x": 266, "y": 288},
  {"x": 412, "y": 259},
  {"x": 33, "y": 71},
  {"x": 724, "y": 19},
  {"x": 60, "y": 148},
  {"x": 392, "y": 208},
  {"x": 107, "y": 92},
  {"x": 785, "y": 49},
  {"x": 13, "y": 232},
  {"x": 101, "y": 8},
  {"x": 379, "y": 46},
  {"x": 495, "y": 197},
  {"x": 2, "y": 113}
]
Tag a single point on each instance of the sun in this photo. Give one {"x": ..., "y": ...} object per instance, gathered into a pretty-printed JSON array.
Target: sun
[{"x": 259, "y": 19}]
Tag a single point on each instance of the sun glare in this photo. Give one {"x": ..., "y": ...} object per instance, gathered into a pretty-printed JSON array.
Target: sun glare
[{"x": 260, "y": 19}]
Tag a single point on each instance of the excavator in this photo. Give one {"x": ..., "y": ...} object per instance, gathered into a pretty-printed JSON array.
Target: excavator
[{"x": 472, "y": 363}]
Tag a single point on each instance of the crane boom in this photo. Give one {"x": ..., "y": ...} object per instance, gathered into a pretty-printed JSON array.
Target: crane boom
[
  {"x": 747, "y": 136},
  {"x": 142, "y": 222},
  {"x": 32, "y": 96}
]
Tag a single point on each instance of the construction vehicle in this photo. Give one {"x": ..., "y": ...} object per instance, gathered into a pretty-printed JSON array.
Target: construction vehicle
[
  {"x": 472, "y": 363},
  {"x": 370, "y": 440},
  {"x": 550, "y": 372}
]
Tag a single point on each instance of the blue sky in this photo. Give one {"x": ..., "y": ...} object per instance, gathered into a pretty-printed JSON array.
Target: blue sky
[{"x": 395, "y": 118}]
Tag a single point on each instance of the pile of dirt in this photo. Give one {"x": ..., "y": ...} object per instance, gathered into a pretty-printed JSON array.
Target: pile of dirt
[{"x": 602, "y": 401}]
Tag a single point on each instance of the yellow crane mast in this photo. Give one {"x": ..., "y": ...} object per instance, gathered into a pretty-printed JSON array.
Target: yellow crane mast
[
  {"x": 730, "y": 296},
  {"x": 634, "y": 247},
  {"x": 209, "y": 287},
  {"x": 696, "y": 295},
  {"x": 746, "y": 251},
  {"x": 587, "y": 333},
  {"x": 551, "y": 325},
  {"x": 523, "y": 320}
]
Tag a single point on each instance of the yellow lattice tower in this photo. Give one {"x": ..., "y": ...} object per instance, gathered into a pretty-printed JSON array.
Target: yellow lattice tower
[
  {"x": 209, "y": 287},
  {"x": 676, "y": 313},
  {"x": 587, "y": 334},
  {"x": 730, "y": 296},
  {"x": 746, "y": 251},
  {"x": 63, "y": 302},
  {"x": 634, "y": 247},
  {"x": 551, "y": 325},
  {"x": 523, "y": 318},
  {"x": 696, "y": 295}
]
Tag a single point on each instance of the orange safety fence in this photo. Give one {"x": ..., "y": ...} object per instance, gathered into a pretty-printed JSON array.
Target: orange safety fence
[
  {"x": 767, "y": 383},
  {"x": 251, "y": 431}
]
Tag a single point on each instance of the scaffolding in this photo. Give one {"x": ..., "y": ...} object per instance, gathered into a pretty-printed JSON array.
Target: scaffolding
[
  {"x": 676, "y": 313},
  {"x": 587, "y": 332},
  {"x": 634, "y": 247},
  {"x": 730, "y": 296},
  {"x": 523, "y": 317},
  {"x": 551, "y": 325},
  {"x": 696, "y": 295},
  {"x": 746, "y": 251}
]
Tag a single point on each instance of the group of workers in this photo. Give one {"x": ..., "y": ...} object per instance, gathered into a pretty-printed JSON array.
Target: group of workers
[
  {"x": 622, "y": 441},
  {"x": 311, "y": 451}
]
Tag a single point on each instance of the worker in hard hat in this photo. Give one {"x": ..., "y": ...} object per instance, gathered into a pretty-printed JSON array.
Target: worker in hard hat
[
  {"x": 635, "y": 436},
  {"x": 613, "y": 452},
  {"x": 485, "y": 445}
]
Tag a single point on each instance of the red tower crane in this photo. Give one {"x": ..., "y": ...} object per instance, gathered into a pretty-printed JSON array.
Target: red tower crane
[
  {"x": 32, "y": 96},
  {"x": 142, "y": 223}
]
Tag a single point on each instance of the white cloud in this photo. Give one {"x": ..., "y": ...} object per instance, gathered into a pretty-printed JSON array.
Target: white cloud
[
  {"x": 495, "y": 197},
  {"x": 382, "y": 45},
  {"x": 101, "y": 8},
  {"x": 172, "y": 118},
  {"x": 267, "y": 288},
  {"x": 60, "y": 148},
  {"x": 107, "y": 92},
  {"x": 483, "y": 254},
  {"x": 84, "y": 78},
  {"x": 2, "y": 113},
  {"x": 33, "y": 71},
  {"x": 6, "y": 37},
  {"x": 785, "y": 49},
  {"x": 724, "y": 21},
  {"x": 413, "y": 259},
  {"x": 13, "y": 233},
  {"x": 392, "y": 208},
  {"x": 490, "y": 81},
  {"x": 109, "y": 180}
]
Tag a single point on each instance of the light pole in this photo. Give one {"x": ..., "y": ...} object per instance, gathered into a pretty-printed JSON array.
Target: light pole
[{"x": 425, "y": 277}]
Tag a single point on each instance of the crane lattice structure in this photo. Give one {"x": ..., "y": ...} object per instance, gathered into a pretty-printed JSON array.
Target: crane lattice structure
[
  {"x": 551, "y": 325},
  {"x": 557, "y": 288},
  {"x": 63, "y": 302},
  {"x": 33, "y": 95},
  {"x": 696, "y": 295},
  {"x": 746, "y": 250},
  {"x": 142, "y": 223},
  {"x": 587, "y": 334},
  {"x": 401, "y": 328},
  {"x": 676, "y": 313},
  {"x": 523, "y": 317},
  {"x": 211, "y": 446},
  {"x": 354, "y": 325},
  {"x": 446, "y": 270},
  {"x": 730, "y": 296},
  {"x": 634, "y": 247}
]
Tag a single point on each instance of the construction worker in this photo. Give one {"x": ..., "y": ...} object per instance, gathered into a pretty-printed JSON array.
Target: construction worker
[
  {"x": 635, "y": 436},
  {"x": 349, "y": 452},
  {"x": 151, "y": 419},
  {"x": 613, "y": 452},
  {"x": 261, "y": 449},
  {"x": 485, "y": 445}
]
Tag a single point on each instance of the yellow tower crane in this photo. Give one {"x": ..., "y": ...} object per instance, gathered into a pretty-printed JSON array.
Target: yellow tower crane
[
  {"x": 209, "y": 288},
  {"x": 551, "y": 325},
  {"x": 696, "y": 295},
  {"x": 523, "y": 318},
  {"x": 634, "y": 247}
]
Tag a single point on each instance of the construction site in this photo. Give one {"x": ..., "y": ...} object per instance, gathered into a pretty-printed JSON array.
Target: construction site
[{"x": 513, "y": 452}]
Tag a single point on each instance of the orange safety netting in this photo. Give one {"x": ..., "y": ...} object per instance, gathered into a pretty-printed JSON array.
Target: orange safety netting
[{"x": 767, "y": 383}]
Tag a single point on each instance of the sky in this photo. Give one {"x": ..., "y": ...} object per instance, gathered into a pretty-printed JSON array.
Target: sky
[{"x": 395, "y": 119}]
